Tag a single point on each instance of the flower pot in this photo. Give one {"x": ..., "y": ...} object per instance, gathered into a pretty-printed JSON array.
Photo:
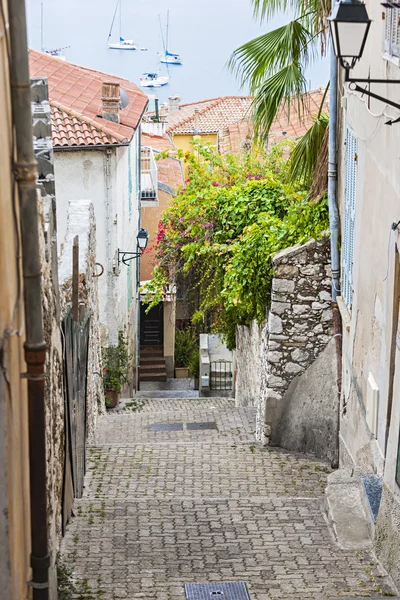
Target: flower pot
[
  {"x": 112, "y": 398},
  {"x": 181, "y": 372}
]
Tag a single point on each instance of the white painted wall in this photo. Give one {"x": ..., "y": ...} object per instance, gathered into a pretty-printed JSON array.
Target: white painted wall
[
  {"x": 367, "y": 343},
  {"x": 109, "y": 179}
]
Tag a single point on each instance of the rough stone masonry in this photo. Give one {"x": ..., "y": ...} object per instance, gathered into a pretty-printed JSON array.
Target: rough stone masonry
[{"x": 297, "y": 330}]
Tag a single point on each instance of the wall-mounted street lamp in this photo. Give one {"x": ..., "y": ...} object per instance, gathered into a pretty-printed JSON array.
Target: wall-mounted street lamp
[
  {"x": 142, "y": 240},
  {"x": 350, "y": 24}
]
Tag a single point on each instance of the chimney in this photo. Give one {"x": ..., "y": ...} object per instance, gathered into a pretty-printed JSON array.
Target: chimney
[
  {"x": 110, "y": 101},
  {"x": 196, "y": 119},
  {"x": 173, "y": 103}
]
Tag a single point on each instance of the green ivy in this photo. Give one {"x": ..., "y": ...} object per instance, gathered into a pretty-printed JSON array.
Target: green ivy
[{"x": 222, "y": 229}]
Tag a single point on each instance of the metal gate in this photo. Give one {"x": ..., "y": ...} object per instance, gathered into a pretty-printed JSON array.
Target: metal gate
[
  {"x": 221, "y": 376},
  {"x": 76, "y": 355}
]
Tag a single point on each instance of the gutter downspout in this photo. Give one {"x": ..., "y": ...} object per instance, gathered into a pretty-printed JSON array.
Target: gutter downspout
[
  {"x": 25, "y": 167},
  {"x": 334, "y": 229}
]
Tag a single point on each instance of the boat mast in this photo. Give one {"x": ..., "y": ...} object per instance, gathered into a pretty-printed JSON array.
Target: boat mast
[
  {"x": 41, "y": 27},
  {"x": 120, "y": 18},
  {"x": 162, "y": 35},
  {"x": 112, "y": 23},
  {"x": 166, "y": 42}
]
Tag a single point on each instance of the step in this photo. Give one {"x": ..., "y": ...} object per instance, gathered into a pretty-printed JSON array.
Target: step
[
  {"x": 153, "y": 376},
  {"x": 152, "y": 360},
  {"x": 148, "y": 369}
]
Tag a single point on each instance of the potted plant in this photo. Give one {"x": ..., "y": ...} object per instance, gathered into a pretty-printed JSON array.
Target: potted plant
[
  {"x": 194, "y": 367},
  {"x": 115, "y": 371},
  {"x": 185, "y": 344}
]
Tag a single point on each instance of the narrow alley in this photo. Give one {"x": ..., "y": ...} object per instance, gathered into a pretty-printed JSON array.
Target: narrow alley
[{"x": 178, "y": 493}]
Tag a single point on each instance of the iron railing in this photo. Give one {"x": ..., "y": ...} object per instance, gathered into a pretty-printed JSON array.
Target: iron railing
[
  {"x": 221, "y": 376},
  {"x": 148, "y": 174}
]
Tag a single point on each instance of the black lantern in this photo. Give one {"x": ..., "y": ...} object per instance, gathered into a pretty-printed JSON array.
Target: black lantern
[
  {"x": 142, "y": 238},
  {"x": 349, "y": 24}
]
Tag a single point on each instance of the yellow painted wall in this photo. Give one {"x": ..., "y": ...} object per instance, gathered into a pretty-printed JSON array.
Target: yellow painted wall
[
  {"x": 149, "y": 218},
  {"x": 183, "y": 142},
  {"x": 14, "y": 471}
]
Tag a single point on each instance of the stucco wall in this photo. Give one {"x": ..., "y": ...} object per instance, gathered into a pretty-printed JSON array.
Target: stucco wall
[
  {"x": 14, "y": 461},
  {"x": 369, "y": 337},
  {"x": 274, "y": 358}
]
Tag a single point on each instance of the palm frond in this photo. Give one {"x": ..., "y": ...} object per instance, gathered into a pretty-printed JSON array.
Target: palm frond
[
  {"x": 258, "y": 59},
  {"x": 304, "y": 156},
  {"x": 267, "y": 8},
  {"x": 285, "y": 86}
]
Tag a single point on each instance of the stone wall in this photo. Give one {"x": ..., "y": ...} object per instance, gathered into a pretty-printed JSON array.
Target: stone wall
[
  {"x": 270, "y": 357},
  {"x": 250, "y": 356},
  {"x": 81, "y": 222}
]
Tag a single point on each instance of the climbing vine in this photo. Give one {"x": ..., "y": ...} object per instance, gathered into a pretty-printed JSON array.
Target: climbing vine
[{"x": 222, "y": 229}]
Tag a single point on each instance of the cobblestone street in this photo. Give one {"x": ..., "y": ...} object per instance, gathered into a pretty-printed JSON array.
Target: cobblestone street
[{"x": 164, "y": 508}]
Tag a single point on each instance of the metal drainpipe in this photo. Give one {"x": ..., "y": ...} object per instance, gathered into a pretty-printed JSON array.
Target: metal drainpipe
[
  {"x": 35, "y": 347},
  {"x": 334, "y": 229}
]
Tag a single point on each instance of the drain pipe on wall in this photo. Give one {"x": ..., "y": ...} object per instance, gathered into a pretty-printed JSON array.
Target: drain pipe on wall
[
  {"x": 35, "y": 348},
  {"x": 334, "y": 229}
]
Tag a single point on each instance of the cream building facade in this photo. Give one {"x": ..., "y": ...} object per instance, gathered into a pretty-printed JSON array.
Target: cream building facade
[{"x": 369, "y": 203}]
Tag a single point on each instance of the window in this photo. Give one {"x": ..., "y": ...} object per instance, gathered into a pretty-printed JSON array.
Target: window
[
  {"x": 349, "y": 217},
  {"x": 392, "y": 31}
]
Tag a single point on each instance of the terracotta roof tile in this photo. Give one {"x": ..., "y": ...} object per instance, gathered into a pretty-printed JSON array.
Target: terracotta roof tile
[
  {"x": 79, "y": 89},
  {"x": 71, "y": 129},
  {"x": 213, "y": 115},
  {"x": 285, "y": 126}
]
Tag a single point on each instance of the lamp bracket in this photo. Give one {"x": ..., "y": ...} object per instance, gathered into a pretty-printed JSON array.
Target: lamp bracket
[
  {"x": 127, "y": 256},
  {"x": 356, "y": 88}
]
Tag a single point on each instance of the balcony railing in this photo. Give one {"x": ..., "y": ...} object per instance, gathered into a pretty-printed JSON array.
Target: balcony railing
[{"x": 149, "y": 186}]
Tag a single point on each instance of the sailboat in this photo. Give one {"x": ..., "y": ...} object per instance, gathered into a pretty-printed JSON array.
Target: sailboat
[
  {"x": 123, "y": 44},
  {"x": 168, "y": 57},
  {"x": 54, "y": 52},
  {"x": 153, "y": 80}
]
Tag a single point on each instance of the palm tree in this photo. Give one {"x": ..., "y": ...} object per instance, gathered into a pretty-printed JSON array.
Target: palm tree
[{"x": 273, "y": 65}]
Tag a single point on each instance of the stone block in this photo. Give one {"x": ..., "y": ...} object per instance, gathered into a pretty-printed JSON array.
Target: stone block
[
  {"x": 327, "y": 315},
  {"x": 293, "y": 368},
  {"x": 274, "y": 323},
  {"x": 287, "y": 271},
  {"x": 274, "y": 357},
  {"x": 283, "y": 285},
  {"x": 318, "y": 328},
  {"x": 300, "y": 355},
  {"x": 310, "y": 270},
  {"x": 300, "y": 309},
  {"x": 325, "y": 296},
  {"x": 319, "y": 306},
  {"x": 279, "y": 307},
  {"x": 273, "y": 380}
]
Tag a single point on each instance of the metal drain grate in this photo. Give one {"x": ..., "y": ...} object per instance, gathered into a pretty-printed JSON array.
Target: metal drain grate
[
  {"x": 193, "y": 426},
  {"x": 222, "y": 590},
  {"x": 167, "y": 427}
]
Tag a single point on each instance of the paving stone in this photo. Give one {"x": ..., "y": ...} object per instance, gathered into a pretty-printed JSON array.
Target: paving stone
[{"x": 166, "y": 508}]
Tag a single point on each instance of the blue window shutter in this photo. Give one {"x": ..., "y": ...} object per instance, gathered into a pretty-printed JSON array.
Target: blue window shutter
[{"x": 349, "y": 218}]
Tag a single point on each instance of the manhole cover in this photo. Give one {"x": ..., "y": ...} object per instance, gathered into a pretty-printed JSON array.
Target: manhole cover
[
  {"x": 167, "y": 427},
  {"x": 224, "y": 590},
  {"x": 192, "y": 426}
]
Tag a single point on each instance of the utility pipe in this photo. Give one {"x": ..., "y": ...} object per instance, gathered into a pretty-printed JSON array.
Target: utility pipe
[
  {"x": 25, "y": 168},
  {"x": 334, "y": 229}
]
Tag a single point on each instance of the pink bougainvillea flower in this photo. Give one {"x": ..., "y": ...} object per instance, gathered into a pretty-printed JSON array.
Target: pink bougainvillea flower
[
  {"x": 104, "y": 370},
  {"x": 215, "y": 184},
  {"x": 181, "y": 219},
  {"x": 196, "y": 239},
  {"x": 187, "y": 180}
]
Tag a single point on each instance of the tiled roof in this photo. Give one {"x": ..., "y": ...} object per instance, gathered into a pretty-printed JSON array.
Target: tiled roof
[
  {"x": 285, "y": 126},
  {"x": 69, "y": 128},
  {"x": 169, "y": 169},
  {"x": 79, "y": 89},
  {"x": 213, "y": 115}
]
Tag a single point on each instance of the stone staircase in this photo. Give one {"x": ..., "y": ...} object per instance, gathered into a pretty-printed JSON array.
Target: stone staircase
[{"x": 152, "y": 364}]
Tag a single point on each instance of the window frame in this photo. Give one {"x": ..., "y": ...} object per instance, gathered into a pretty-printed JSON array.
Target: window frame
[
  {"x": 350, "y": 196},
  {"x": 392, "y": 32}
]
